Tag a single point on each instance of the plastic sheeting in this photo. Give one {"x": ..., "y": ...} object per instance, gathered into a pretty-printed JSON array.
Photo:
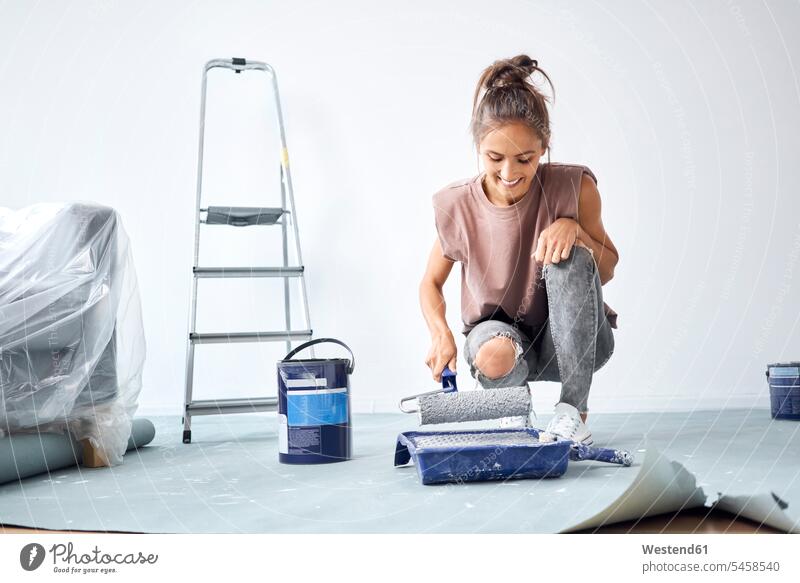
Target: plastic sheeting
[{"x": 72, "y": 343}]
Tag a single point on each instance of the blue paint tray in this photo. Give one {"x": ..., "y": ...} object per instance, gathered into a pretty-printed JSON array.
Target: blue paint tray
[{"x": 495, "y": 454}]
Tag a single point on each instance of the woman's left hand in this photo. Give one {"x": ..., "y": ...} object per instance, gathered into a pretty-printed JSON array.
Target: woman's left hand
[{"x": 557, "y": 240}]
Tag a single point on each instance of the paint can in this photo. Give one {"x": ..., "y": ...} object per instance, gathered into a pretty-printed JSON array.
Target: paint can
[
  {"x": 314, "y": 407},
  {"x": 784, "y": 389}
]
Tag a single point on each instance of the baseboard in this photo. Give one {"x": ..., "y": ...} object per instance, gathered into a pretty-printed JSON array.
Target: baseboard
[
  {"x": 607, "y": 404},
  {"x": 597, "y": 404}
]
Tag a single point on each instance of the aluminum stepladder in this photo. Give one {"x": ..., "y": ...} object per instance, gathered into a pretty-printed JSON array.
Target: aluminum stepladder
[{"x": 227, "y": 216}]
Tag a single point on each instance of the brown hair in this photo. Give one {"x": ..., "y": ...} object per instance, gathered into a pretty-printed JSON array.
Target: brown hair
[{"x": 510, "y": 96}]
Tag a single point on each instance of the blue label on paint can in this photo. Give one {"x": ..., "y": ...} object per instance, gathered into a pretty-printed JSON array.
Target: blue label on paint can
[{"x": 309, "y": 408}]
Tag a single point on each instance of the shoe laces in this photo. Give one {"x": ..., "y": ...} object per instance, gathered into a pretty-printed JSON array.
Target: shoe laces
[{"x": 563, "y": 425}]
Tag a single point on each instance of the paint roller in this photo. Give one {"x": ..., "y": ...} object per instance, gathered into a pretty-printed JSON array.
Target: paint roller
[{"x": 448, "y": 405}]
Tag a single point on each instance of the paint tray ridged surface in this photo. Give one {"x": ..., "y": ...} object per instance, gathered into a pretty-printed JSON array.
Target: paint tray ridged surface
[{"x": 473, "y": 456}]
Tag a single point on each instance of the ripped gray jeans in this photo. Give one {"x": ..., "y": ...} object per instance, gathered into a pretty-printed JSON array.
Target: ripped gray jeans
[{"x": 576, "y": 340}]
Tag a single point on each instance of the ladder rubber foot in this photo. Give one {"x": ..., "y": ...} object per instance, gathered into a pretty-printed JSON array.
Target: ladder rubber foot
[{"x": 187, "y": 436}]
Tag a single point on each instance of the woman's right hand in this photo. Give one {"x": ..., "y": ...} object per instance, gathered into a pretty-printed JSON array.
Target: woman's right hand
[{"x": 443, "y": 353}]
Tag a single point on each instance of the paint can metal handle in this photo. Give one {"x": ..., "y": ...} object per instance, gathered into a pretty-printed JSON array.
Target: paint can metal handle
[{"x": 352, "y": 362}]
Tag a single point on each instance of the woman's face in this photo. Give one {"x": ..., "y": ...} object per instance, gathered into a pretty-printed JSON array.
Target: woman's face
[{"x": 510, "y": 155}]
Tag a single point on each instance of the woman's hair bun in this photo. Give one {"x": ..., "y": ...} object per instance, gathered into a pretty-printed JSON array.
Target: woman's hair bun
[
  {"x": 514, "y": 71},
  {"x": 506, "y": 93}
]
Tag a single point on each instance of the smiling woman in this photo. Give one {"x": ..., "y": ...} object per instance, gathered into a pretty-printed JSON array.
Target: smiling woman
[
  {"x": 510, "y": 156},
  {"x": 511, "y": 126},
  {"x": 533, "y": 254}
]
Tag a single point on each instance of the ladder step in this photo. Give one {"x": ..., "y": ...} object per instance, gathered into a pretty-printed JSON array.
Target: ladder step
[
  {"x": 230, "y": 337},
  {"x": 242, "y": 216},
  {"x": 248, "y": 271},
  {"x": 219, "y": 406}
]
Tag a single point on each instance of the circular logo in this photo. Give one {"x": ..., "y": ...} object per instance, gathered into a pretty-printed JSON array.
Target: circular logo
[{"x": 31, "y": 556}]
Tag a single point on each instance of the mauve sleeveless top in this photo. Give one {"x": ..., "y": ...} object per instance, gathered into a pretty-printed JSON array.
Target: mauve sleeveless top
[{"x": 499, "y": 278}]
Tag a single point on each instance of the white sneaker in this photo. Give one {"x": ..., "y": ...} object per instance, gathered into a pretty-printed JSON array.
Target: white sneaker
[{"x": 566, "y": 423}]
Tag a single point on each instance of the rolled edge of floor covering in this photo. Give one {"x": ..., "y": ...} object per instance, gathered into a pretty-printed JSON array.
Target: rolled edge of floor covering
[{"x": 27, "y": 454}]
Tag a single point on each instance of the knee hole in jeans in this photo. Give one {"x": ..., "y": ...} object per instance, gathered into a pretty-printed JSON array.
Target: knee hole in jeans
[{"x": 495, "y": 358}]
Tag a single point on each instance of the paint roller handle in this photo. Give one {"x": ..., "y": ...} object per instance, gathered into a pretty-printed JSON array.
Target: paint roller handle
[
  {"x": 448, "y": 386},
  {"x": 449, "y": 380},
  {"x": 580, "y": 452}
]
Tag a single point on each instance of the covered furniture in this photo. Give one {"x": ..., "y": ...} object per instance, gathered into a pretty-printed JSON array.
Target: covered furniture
[{"x": 71, "y": 338}]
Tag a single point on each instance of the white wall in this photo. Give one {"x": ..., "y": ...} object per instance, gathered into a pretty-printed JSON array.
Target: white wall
[{"x": 688, "y": 114}]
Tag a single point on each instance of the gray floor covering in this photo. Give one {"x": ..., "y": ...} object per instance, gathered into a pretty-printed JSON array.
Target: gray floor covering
[{"x": 229, "y": 480}]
